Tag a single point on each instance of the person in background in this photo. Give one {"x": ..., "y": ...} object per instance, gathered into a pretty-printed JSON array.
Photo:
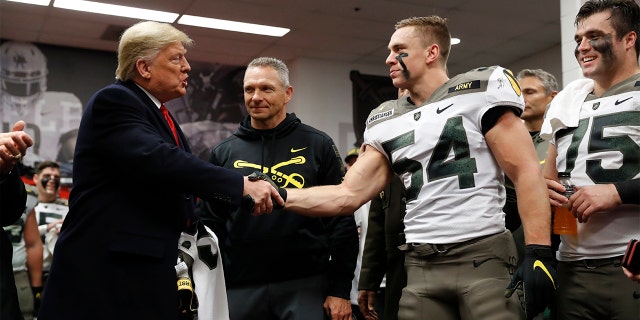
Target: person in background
[
  {"x": 450, "y": 153},
  {"x": 593, "y": 125},
  {"x": 135, "y": 182},
  {"x": 43, "y": 214},
  {"x": 34, "y": 237},
  {"x": 27, "y": 257},
  {"x": 283, "y": 265},
  {"x": 350, "y": 158},
  {"x": 13, "y": 196},
  {"x": 538, "y": 89},
  {"x": 361, "y": 216},
  {"x": 382, "y": 276}
]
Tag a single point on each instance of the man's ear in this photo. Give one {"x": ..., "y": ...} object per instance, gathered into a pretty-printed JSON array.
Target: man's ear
[
  {"x": 432, "y": 53},
  {"x": 143, "y": 68},
  {"x": 288, "y": 94},
  {"x": 630, "y": 40}
]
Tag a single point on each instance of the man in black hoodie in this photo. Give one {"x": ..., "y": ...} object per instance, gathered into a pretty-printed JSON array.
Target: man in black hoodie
[{"x": 282, "y": 265}]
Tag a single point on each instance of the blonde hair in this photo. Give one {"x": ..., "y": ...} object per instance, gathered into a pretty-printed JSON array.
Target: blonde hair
[
  {"x": 431, "y": 29},
  {"x": 144, "y": 40}
]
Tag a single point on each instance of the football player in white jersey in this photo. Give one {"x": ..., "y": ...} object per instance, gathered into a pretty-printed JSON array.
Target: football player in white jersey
[
  {"x": 594, "y": 127},
  {"x": 44, "y": 213},
  {"x": 48, "y": 114},
  {"x": 450, "y": 151}
]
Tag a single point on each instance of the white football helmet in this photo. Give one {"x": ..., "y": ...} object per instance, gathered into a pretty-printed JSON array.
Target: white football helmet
[{"x": 23, "y": 74}]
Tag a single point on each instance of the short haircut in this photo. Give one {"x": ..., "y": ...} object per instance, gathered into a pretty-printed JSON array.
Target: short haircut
[
  {"x": 144, "y": 40},
  {"x": 431, "y": 29},
  {"x": 625, "y": 16},
  {"x": 549, "y": 82},
  {"x": 277, "y": 65},
  {"x": 46, "y": 164}
]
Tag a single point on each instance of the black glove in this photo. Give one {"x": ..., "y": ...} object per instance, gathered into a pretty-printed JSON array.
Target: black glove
[
  {"x": 37, "y": 298},
  {"x": 257, "y": 175},
  {"x": 187, "y": 299},
  {"x": 537, "y": 278}
]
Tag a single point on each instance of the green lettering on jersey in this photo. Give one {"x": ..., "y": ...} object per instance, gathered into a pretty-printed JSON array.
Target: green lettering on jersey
[{"x": 599, "y": 142}]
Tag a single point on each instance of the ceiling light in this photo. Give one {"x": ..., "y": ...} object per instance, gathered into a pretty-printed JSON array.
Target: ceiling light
[
  {"x": 455, "y": 41},
  {"x": 233, "y": 26},
  {"x": 116, "y": 10},
  {"x": 36, "y": 2}
]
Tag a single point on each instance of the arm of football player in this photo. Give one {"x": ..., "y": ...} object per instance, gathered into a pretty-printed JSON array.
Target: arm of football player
[
  {"x": 364, "y": 180},
  {"x": 555, "y": 190},
  {"x": 512, "y": 147},
  {"x": 33, "y": 246}
]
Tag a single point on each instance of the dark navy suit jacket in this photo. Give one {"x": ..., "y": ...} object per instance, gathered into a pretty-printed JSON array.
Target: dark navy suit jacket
[
  {"x": 13, "y": 197},
  {"x": 133, "y": 192}
]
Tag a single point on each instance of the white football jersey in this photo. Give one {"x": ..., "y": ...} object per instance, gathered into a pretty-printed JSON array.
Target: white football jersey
[
  {"x": 208, "y": 273},
  {"x": 53, "y": 115},
  {"x": 603, "y": 148},
  {"x": 48, "y": 213},
  {"x": 455, "y": 188}
]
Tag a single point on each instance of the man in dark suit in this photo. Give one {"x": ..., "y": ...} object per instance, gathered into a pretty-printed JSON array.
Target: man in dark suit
[
  {"x": 381, "y": 256},
  {"x": 135, "y": 182},
  {"x": 13, "y": 146}
]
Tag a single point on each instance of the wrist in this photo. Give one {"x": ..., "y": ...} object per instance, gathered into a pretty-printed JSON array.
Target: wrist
[
  {"x": 36, "y": 290},
  {"x": 5, "y": 173},
  {"x": 539, "y": 250}
]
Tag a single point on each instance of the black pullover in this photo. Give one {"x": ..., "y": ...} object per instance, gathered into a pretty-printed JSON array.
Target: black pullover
[{"x": 283, "y": 245}]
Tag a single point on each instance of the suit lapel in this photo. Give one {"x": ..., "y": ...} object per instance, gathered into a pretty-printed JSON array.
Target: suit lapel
[{"x": 158, "y": 119}]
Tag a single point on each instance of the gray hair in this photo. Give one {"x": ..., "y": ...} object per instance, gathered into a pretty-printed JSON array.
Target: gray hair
[
  {"x": 549, "y": 82},
  {"x": 277, "y": 65},
  {"x": 144, "y": 40}
]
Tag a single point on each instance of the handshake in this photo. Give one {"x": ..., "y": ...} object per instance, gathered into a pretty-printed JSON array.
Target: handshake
[{"x": 248, "y": 202}]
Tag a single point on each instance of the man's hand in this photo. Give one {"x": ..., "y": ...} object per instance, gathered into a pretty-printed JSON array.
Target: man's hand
[
  {"x": 556, "y": 193},
  {"x": 13, "y": 146},
  {"x": 630, "y": 275},
  {"x": 588, "y": 200},
  {"x": 366, "y": 301},
  {"x": 257, "y": 175},
  {"x": 337, "y": 308},
  {"x": 537, "y": 278},
  {"x": 258, "y": 195}
]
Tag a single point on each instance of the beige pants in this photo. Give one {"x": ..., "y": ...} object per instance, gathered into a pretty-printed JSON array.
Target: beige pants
[
  {"x": 465, "y": 282},
  {"x": 25, "y": 296}
]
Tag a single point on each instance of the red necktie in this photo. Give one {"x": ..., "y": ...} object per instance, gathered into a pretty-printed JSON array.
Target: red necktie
[{"x": 167, "y": 117}]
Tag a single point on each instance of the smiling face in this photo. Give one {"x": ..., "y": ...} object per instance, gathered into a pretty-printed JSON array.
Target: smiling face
[
  {"x": 48, "y": 184},
  {"x": 598, "y": 50},
  {"x": 167, "y": 72},
  {"x": 265, "y": 97}
]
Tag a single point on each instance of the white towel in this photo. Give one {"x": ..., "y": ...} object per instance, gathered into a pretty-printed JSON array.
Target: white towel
[{"x": 564, "y": 111}]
